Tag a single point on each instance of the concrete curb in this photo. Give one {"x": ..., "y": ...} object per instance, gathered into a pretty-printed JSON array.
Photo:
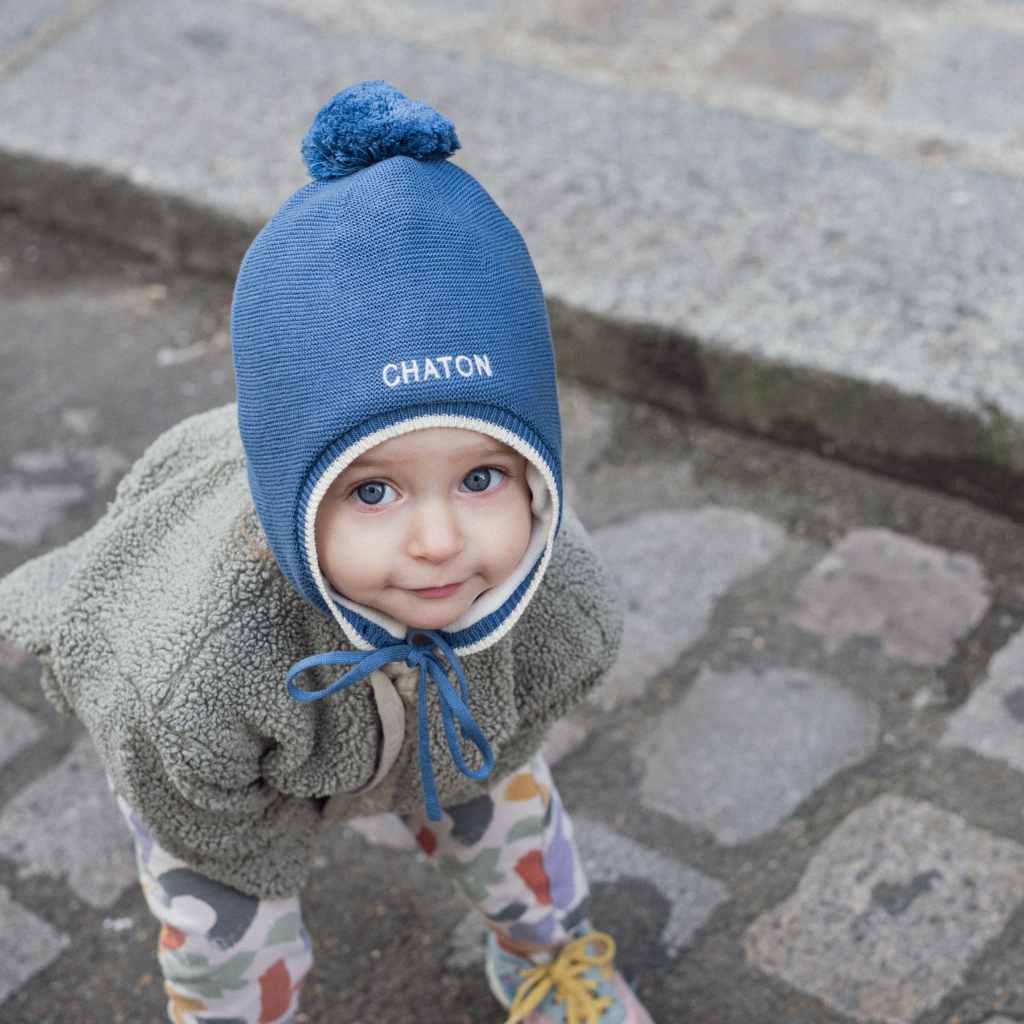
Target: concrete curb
[
  {"x": 864, "y": 423},
  {"x": 867, "y": 424},
  {"x": 176, "y": 232}
]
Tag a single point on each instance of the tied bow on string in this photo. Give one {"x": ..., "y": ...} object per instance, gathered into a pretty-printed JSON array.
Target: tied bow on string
[{"x": 452, "y": 702}]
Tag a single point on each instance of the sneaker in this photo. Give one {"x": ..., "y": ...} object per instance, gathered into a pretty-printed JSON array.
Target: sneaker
[{"x": 579, "y": 985}]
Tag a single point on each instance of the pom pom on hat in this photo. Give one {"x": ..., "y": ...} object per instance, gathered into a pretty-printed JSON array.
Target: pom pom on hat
[{"x": 370, "y": 122}]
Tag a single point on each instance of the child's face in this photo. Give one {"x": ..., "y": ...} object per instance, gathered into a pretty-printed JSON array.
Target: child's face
[{"x": 426, "y": 509}]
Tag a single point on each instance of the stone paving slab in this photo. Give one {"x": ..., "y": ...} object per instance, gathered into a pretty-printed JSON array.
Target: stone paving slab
[
  {"x": 893, "y": 908},
  {"x": 66, "y": 825},
  {"x": 965, "y": 79},
  {"x": 28, "y": 512},
  {"x": 673, "y": 567},
  {"x": 18, "y": 729},
  {"x": 26, "y": 26},
  {"x": 757, "y": 238},
  {"x": 741, "y": 750},
  {"x": 693, "y": 896},
  {"x": 27, "y": 945},
  {"x": 812, "y": 55},
  {"x": 991, "y": 723},
  {"x": 916, "y": 599}
]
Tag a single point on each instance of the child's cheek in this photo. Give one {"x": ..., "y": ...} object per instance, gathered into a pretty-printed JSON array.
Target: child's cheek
[
  {"x": 330, "y": 541},
  {"x": 358, "y": 546},
  {"x": 519, "y": 534}
]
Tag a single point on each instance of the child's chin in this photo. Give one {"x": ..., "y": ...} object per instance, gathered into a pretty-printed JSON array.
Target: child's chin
[
  {"x": 436, "y": 620},
  {"x": 438, "y": 623}
]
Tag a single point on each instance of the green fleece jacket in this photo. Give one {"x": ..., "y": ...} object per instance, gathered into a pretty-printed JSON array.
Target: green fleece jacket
[{"x": 168, "y": 630}]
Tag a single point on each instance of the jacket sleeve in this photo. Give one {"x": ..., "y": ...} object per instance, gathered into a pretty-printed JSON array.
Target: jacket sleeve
[
  {"x": 233, "y": 827},
  {"x": 229, "y": 771},
  {"x": 569, "y": 636}
]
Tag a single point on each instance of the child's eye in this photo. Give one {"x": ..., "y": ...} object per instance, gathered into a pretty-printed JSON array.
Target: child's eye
[
  {"x": 482, "y": 478},
  {"x": 372, "y": 492}
]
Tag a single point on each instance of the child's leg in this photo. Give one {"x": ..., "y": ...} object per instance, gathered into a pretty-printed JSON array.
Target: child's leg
[
  {"x": 223, "y": 954},
  {"x": 512, "y": 854}
]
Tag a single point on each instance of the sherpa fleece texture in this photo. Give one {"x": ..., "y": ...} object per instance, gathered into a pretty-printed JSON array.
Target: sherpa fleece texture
[{"x": 168, "y": 629}]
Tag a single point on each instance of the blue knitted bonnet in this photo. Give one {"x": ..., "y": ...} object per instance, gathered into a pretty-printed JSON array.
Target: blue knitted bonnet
[{"x": 389, "y": 294}]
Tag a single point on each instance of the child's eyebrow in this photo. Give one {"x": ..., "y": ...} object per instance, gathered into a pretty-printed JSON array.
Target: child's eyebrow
[{"x": 377, "y": 462}]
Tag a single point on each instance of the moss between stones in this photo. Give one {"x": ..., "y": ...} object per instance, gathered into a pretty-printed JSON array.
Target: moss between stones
[{"x": 979, "y": 456}]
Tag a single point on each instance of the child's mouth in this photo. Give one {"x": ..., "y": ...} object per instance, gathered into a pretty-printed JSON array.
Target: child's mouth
[{"x": 439, "y": 591}]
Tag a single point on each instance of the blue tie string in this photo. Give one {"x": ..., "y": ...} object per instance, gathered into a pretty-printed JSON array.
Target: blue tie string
[{"x": 453, "y": 703}]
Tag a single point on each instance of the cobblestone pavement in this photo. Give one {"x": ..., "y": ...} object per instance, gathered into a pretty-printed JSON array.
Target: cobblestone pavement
[{"x": 798, "y": 793}]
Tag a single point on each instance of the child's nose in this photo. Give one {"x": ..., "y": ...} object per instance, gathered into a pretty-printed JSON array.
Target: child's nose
[{"x": 435, "y": 533}]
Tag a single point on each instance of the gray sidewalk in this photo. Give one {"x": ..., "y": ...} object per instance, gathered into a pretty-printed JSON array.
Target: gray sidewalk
[
  {"x": 797, "y": 794},
  {"x": 800, "y": 220}
]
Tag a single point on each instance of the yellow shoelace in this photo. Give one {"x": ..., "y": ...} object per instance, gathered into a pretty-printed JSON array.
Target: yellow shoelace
[{"x": 564, "y": 975}]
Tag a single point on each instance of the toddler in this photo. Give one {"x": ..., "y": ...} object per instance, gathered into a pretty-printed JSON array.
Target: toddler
[{"x": 387, "y": 491}]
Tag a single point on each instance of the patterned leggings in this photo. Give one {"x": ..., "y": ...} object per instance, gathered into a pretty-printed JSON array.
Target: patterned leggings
[{"x": 223, "y": 954}]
